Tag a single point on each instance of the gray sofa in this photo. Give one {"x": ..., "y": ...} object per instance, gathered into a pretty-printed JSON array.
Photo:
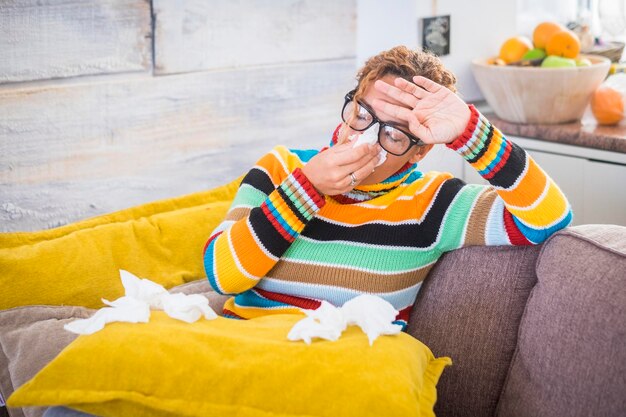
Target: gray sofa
[{"x": 532, "y": 331}]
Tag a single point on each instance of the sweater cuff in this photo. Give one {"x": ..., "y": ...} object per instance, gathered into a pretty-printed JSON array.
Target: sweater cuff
[
  {"x": 292, "y": 205},
  {"x": 302, "y": 193},
  {"x": 486, "y": 149},
  {"x": 474, "y": 126}
]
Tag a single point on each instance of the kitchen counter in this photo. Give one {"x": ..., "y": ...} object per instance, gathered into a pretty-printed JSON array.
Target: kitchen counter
[{"x": 607, "y": 138}]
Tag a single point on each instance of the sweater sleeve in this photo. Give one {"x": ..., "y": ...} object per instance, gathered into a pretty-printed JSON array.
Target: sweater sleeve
[
  {"x": 522, "y": 205},
  {"x": 270, "y": 209}
]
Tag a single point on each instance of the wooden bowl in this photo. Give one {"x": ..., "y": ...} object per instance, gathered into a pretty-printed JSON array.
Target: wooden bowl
[{"x": 539, "y": 95}]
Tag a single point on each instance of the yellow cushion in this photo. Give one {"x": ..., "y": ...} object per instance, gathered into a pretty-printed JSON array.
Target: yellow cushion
[
  {"x": 226, "y": 367},
  {"x": 79, "y": 264}
]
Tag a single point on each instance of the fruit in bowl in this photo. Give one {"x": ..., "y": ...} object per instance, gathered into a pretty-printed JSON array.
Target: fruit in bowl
[
  {"x": 514, "y": 49},
  {"x": 544, "y": 31},
  {"x": 535, "y": 53},
  {"x": 545, "y": 80},
  {"x": 554, "y": 61},
  {"x": 564, "y": 44},
  {"x": 550, "y": 40},
  {"x": 544, "y": 94}
]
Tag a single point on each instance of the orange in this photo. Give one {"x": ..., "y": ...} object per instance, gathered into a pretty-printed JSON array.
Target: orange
[
  {"x": 564, "y": 43},
  {"x": 607, "y": 105},
  {"x": 513, "y": 49},
  {"x": 544, "y": 31}
]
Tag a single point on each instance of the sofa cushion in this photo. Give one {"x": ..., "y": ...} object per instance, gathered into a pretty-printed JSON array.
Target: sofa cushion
[
  {"x": 469, "y": 309},
  {"x": 79, "y": 264},
  {"x": 246, "y": 368},
  {"x": 31, "y": 336},
  {"x": 571, "y": 355}
]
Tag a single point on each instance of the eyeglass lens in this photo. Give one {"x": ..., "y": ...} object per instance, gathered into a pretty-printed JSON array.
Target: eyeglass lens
[{"x": 391, "y": 139}]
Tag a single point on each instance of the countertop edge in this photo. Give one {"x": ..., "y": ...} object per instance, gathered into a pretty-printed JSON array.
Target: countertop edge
[{"x": 606, "y": 138}]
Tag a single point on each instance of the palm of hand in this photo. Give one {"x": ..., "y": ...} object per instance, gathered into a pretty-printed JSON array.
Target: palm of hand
[
  {"x": 433, "y": 112},
  {"x": 442, "y": 117}
]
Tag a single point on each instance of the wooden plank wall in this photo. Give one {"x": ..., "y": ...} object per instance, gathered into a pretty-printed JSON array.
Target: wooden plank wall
[
  {"x": 222, "y": 82},
  {"x": 59, "y": 39}
]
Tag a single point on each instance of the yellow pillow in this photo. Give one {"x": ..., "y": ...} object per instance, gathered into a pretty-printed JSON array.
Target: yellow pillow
[
  {"x": 79, "y": 264},
  {"x": 226, "y": 367}
]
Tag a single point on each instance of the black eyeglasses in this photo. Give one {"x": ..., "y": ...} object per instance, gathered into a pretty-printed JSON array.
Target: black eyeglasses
[{"x": 390, "y": 137}]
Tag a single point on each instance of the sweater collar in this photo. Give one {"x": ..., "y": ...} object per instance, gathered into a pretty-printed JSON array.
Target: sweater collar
[{"x": 367, "y": 192}]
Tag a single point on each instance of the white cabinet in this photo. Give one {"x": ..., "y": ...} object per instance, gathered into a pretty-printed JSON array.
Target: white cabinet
[
  {"x": 605, "y": 193},
  {"x": 593, "y": 180},
  {"x": 443, "y": 159}
]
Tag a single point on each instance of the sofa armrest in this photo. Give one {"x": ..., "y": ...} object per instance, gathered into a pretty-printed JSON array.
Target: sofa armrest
[{"x": 570, "y": 357}]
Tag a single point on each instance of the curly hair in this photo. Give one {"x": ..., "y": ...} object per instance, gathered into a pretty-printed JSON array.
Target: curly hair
[{"x": 406, "y": 63}]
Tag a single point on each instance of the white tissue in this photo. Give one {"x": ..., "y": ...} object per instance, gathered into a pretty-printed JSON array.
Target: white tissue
[
  {"x": 372, "y": 314},
  {"x": 325, "y": 322},
  {"x": 134, "y": 307},
  {"x": 187, "y": 308},
  {"x": 369, "y": 136}
]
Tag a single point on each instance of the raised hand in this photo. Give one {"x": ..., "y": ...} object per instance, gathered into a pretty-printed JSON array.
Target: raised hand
[
  {"x": 329, "y": 171},
  {"x": 434, "y": 113}
]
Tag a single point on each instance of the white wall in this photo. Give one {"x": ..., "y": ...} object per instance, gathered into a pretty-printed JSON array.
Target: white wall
[
  {"x": 477, "y": 30},
  {"x": 384, "y": 24},
  {"x": 532, "y": 12}
]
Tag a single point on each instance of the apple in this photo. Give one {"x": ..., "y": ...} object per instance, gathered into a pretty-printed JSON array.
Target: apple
[
  {"x": 535, "y": 53},
  {"x": 554, "y": 61},
  {"x": 583, "y": 62}
]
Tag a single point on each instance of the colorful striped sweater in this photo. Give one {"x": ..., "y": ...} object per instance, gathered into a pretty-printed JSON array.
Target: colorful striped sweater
[{"x": 284, "y": 247}]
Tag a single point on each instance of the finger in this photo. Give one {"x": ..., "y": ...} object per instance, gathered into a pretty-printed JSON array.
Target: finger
[
  {"x": 410, "y": 88},
  {"x": 355, "y": 166},
  {"x": 344, "y": 185},
  {"x": 366, "y": 170},
  {"x": 428, "y": 85},
  {"x": 342, "y": 147},
  {"x": 351, "y": 156},
  {"x": 382, "y": 114},
  {"x": 391, "y": 110},
  {"x": 420, "y": 131},
  {"x": 395, "y": 93},
  {"x": 415, "y": 126}
]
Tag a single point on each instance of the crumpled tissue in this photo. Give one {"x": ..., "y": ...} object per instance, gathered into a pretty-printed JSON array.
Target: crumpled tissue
[
  {"x": 369, "y": 136},
  {"x": 372, "y": 314},
  {"x": 134, "y": 307}
]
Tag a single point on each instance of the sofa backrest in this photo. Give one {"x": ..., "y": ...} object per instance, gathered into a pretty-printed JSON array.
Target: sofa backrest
[
  {"x": 469, "y": 308},
  {"x": 571, "y": 353}
]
